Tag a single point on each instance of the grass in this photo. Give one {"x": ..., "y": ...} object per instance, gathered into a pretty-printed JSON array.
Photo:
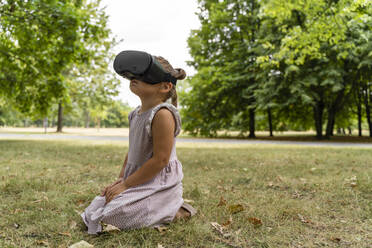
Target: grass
[{"x": 266, "y": 195}]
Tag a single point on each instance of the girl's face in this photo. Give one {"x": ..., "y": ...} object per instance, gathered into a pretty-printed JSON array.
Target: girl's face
[
  {"x": 141, "y": 88},
  {"x": 146, "y": 91}
]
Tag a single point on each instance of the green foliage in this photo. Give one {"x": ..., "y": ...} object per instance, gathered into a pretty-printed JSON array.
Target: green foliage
[
  {"x": 115, "y": 115},
  {"x": 301, "y": 59},
  {"x": 43, "y": 44}
]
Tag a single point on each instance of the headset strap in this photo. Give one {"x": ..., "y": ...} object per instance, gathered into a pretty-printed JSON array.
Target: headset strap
[{"x": 169, "y": 78}]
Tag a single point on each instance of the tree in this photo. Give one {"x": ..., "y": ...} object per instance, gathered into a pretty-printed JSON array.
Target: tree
[
  {"x": 37, "y": 57},
  {"x": 224, "y": 53},
  {"x": 316, "y": 54}
]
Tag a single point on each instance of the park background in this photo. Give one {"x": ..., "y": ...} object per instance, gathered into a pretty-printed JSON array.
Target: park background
[{"x": 271, "y": 69}]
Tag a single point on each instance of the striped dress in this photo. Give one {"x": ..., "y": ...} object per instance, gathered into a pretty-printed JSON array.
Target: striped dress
[{"x": 150, "y": 204}]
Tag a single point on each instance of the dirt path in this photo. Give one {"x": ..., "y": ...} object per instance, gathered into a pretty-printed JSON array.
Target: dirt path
[{"x": 180, "y": 139}]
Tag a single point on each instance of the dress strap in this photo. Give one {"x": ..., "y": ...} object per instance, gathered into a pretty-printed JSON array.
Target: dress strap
[{"x": 172, "y": 109}]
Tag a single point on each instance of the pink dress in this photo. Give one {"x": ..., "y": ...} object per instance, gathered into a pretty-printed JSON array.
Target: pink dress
[{"x": 150, "y": 204}]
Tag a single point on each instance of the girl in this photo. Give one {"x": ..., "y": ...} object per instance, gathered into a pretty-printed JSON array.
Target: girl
[{"x": 148, "y": 191}]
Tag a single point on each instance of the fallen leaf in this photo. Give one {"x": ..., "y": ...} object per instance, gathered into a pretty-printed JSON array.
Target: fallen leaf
[
  {"x": 110, "y": 228},
  {"x": 80, "y": 203},
  {"x": 188, "y": 201},
  {"x": 17, "y": 211},
  {"x": 81, "y": 244},
  {"x": 272, "y": 185},
  {"x": 228, "y": 222},
  {"x": 73, "y": 225},
  {"x": 42, "y": 242},
  {"x": 222, "y": 202},
  {"x": 303, "y": 220},
  {"x": 296, "y": 194},
  {"x": 162, "y": 229},
  {"x": 220, "y": 229},
  {"x": 236, "y": 208},
  {"x": 217, "y": 227},
  {"x": 335, "y": 239},
  {"x": 221, "y": 188},
  {"x": 255, "y": 221},
  {"x": 65, "y": 234},
  {"x": 304, "y": 180}
]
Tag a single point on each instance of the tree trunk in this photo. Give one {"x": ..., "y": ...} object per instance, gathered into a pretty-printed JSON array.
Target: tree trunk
[
  {"x": 333, "y": 124},
  {"x": 349, "y": 130},
  {"x": 332, "y": 111},
  {"x": 60, "y": 117},
  {"x": 270, "y": 122},
  {"x": 87, "y": 119},
  {"x": 330, "y": 122},
  {"x": 359, "y": 112},
  {"x": 318, "y": 118},
  {"x": 98, "y": 123},
  {"x": 367, "y": 96},
  {"x": 251, "y": 123}
]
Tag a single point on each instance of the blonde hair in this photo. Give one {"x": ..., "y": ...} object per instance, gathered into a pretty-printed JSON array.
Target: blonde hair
[{"x": 177, "y": 73}]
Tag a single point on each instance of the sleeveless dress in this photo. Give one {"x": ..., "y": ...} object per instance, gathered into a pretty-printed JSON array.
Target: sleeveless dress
[{"x": 150, "y": 204}]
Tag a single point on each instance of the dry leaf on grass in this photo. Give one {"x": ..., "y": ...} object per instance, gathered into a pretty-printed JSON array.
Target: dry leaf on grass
[
  {"x": 65, "y": 234},
  {"x": 217, "y": 227},
  {"x": 188, "y": 201},
  {"x": 73, "y": 225},
  {"x": 80, "y": 203},
  {"x": 17, "y": 211},
  {"x": 110, "y": 228},
  {"x": 236, "y": 208},
  {"x": 272, "y": 185},
  {"x": 255, "y": 221},
  {"x": 81, "y": 244},
  {"x": 303, "y": 220},
  {"x": 352, "y": 181},
  {"x": 161, "y": 229},
  {"x": 219, "y": 187},
  {"x": 222, "y": 202},
  {"x": 228, "y": 222},
  {"x": 42, "y": 242},
  {"x": 335, "y": 239},
  {"x": 220, "y": 229}
]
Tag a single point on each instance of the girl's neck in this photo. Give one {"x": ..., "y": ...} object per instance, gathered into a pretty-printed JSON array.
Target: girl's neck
[{"x": 146, "y": 105}]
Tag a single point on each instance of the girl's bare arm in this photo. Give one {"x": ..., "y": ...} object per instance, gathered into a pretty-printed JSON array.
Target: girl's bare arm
[
  {"x": 121, "y": 174},
  {"x": 163, "y": 127}
]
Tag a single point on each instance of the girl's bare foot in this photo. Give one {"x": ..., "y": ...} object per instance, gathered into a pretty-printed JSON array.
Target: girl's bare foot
[
  {"x": 182, "y": 214},
  {"x": 185, "y": 211}
]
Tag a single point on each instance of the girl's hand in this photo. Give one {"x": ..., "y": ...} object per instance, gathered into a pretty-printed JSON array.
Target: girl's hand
[
  {"x": 103, "y": 192},
  {"x": 114, "y": 191}
]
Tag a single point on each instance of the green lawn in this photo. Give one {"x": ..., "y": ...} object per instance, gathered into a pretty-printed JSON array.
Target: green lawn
[{"x": 262, "y": 195}]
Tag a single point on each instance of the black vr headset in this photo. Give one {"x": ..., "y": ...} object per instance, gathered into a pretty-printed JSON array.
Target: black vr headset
[{"x": 141, "y": 66}]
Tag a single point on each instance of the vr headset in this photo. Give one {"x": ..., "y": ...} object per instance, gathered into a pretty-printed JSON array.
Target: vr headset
[{"x": 141, "y": 66}]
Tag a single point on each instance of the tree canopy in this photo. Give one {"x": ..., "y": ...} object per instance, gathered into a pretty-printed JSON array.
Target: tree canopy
[
  {"x": 293, "y": 63},
  {"x": 54, "y": 52}
]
